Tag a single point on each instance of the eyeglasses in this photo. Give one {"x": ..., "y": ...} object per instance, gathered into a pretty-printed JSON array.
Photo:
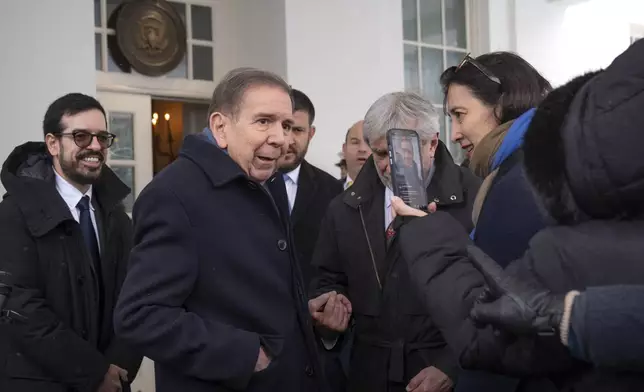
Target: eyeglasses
[
  {"x": 83, "y": 138},
  {"x": 479, "y": 66}
]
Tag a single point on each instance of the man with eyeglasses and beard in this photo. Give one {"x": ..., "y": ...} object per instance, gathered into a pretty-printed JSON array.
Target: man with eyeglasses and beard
[{"x": 65, "y": 239}]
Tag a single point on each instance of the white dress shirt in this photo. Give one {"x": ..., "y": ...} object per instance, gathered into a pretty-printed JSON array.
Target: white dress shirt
[
  {"x": 388, "y": 216},
  {"x": 348, "y": 182},
  {"x": 72, "y": 196},
  {"x": 291, "y": 180}
]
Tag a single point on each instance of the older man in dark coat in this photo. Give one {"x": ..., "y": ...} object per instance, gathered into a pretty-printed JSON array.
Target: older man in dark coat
[
  {"x": 214, "y": 294},
  {"x": 397, "y": 346}
]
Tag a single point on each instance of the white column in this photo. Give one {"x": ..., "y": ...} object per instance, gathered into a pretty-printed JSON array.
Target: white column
[
  {"x": 343, "y": 55},
  {"x": 258, "y": 34},
  {"x": 47, "y": 51}
]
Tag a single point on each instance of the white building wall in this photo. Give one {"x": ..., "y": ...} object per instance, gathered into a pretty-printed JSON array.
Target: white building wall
[
  {"x": 502, "y": 34},
  {"x": 259, "y": 34},
  {"x": 47, "y": 51},
  {"x": 564, "y": 38},
  {"x": 343, "y": 55}
]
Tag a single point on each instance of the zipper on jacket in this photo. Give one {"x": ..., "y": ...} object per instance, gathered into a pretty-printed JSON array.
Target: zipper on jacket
[{"x": 366, "y": 234}]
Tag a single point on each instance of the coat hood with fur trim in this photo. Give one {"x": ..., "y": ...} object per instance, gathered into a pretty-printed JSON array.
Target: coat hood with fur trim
[{"x": 583, "y": 149}]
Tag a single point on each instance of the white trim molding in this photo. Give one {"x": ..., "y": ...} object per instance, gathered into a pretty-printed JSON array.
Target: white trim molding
[
  {"x": 493, "y": 26},
  {"x": 164, "y": 87}
]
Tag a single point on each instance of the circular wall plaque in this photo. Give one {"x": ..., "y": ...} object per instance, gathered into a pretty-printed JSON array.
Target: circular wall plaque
[{"x": 151, "y": 36}]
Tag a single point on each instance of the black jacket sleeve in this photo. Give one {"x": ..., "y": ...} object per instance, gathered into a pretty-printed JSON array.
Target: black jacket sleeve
[
  {"x": 435, "y": 249},
  {"x": 42, "y": 334},
  {"x": 330, "y": 274},
  {"x": 607, "y": 327},
  {"x": 118, "y": 352},
  {"x": 150, "y": 312}
]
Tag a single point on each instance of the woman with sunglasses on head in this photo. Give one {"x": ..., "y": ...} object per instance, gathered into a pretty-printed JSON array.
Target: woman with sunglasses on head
[
  {"x": 491, "y": 100},
  {"x": 516, "y": 320}
]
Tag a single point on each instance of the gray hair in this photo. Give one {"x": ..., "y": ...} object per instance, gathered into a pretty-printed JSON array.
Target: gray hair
[
  {"x": 404, "y": 110},
  {"x": 229, "y": 93}
]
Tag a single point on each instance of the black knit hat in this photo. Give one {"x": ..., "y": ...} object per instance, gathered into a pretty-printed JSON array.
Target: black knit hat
[{"x": 583, "y": 149}]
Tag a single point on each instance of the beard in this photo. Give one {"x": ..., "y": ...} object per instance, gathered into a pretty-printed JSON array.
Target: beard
[
  {"x": 287, "y": 167},
  {"x": 72, "y": 167}
]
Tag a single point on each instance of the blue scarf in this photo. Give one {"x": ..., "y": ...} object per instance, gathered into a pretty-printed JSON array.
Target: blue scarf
[
  {"x": 512, "y": 141},
  {"x": 207, "y": 135}
]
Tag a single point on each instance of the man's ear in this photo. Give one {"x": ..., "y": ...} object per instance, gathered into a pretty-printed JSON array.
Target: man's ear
[
  {"x": 312, "y": 132},
  {"x": 435, "y": 141},
  {"x": 53, "y": 144},
  {"x": 433, "y": 145},
  {"x": 217, "y": 123}
]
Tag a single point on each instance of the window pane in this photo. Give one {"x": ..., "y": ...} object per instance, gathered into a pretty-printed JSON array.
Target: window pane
[
  {"x": 111, "y": 5},
  {"x": 202, "y": 62},
  {"x": 181, "y": 10},
  {"x": 432, "y": 67},
  {"x": 455, "y": 31},
  {"x": 181, "y": 71},
  {"x": 410, "y": 20},
  {"x": 201, "y": 22},
  {"x": 97, "y": 13},
  {"x": 430, "y": 22},
  {"x": 98, "y": 53},
  {"x": 116, "y": 61},
  {"x": 412, "y": 82},
  {"x": 126, "y": 174},
  {"x": 195, "y": 117},
  {"x": 122, "y": 125},
  {"x": 454, "y": 58}
]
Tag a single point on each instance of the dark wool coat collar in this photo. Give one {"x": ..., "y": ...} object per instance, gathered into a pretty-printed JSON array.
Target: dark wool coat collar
[{"x": 544, "y": 154}]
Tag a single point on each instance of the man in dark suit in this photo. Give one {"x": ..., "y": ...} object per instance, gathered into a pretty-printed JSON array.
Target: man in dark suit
[
  {"x": 309, "y": 189},
  {"x": 65, "y": 239},
  {"x": 214, "y": 295}
]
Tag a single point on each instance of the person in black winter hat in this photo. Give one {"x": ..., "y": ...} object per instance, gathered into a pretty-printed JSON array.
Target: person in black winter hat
[{"x": 582, "y": 157}]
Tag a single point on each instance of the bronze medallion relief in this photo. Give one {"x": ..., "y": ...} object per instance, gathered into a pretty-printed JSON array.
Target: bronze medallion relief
[{"x": 151, "y": 36}]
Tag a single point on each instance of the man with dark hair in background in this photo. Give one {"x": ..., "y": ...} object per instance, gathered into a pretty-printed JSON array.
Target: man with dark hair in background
[
  {"x": 214, "y": 294},
  {"x": 65, "y": 239},
  {"x": 309, "y": 189}
]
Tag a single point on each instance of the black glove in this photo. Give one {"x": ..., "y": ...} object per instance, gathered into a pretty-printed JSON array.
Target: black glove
[{"x": 512, "y": 305}]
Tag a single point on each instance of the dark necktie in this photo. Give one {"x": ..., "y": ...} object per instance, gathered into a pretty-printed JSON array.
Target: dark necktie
[{"x": 89, "y": 235}]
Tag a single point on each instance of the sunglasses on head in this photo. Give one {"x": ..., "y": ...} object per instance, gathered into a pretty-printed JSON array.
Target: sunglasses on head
[
  {"x": 469, "y": 59},
  {"x": 84, "y": 138}
]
